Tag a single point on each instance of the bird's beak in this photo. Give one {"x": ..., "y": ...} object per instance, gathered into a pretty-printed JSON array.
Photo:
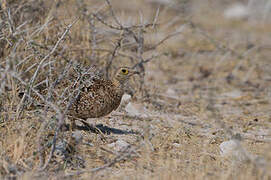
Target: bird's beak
[{"x": 135, "y": 72}]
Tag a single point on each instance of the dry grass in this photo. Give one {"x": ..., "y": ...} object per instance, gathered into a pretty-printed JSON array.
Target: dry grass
[{"x": 204, "y": 80}]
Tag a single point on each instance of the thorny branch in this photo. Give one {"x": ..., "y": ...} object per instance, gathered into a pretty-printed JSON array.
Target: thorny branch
[
  {"x": 113, "y": 13},
  {"x": 138, "y": 37},
  {"x": 52, "y": 51},
  {"x": 60, "y": 115},
  {"x": 31, "y": 82},
  {"x": 113, "y": 55}
]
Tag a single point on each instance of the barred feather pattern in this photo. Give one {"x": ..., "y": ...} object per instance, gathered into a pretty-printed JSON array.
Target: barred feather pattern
[{"x": 96, "y": 99}]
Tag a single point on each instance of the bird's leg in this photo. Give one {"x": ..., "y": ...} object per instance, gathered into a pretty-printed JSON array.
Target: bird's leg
[
  {"x": 89, "y": 126},
  {"x": 73, "y": 125},
  {"x": 92, "y": 127}
]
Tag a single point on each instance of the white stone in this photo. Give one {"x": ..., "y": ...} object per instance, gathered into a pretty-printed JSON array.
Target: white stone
[
  {"x": 227, "y": 147},
  {"x": 233, "y": 94},
  {"x": 233, "y": 148},
  {"x": 132, "y": 110},
  {"x": 77, "y": 135},
  {"x": 176, "y": 145},
  {"x": 119, "y": 145},
  {"x": 236, "y": 11},
  {"x": 171, "y": 92}
]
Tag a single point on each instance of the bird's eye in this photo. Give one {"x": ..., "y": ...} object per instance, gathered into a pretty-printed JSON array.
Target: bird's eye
[{"x": 124, "y": 71}]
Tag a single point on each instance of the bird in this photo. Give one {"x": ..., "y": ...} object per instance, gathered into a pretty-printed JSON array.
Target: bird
[
  {"x": 85, "y": 94},
  {"x": 98, "y": 97}
]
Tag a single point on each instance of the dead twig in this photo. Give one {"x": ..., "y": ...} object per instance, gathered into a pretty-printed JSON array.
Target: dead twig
[
  {"x": 180, "y": 31},
  {"x": 31, "y": 82},
  {"x": 113, "y": 55},
  {"x": 52, "y": 51},
  {"x": 113, "y": 13},
  {"x": 126, "y": 154}
]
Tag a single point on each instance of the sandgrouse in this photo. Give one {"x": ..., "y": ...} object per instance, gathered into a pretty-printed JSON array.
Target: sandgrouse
[
  {"x": 99, "y": 97},
  {"x": 90, "y": 97}
]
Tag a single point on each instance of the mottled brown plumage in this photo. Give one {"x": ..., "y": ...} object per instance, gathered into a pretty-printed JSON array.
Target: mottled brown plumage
[
  {"x": 99, "y": 97},
  {"x": 85, "y": 94}
]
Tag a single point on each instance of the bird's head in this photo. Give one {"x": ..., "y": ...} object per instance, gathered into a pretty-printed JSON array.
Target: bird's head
[{"x": 123, "y": 74}]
